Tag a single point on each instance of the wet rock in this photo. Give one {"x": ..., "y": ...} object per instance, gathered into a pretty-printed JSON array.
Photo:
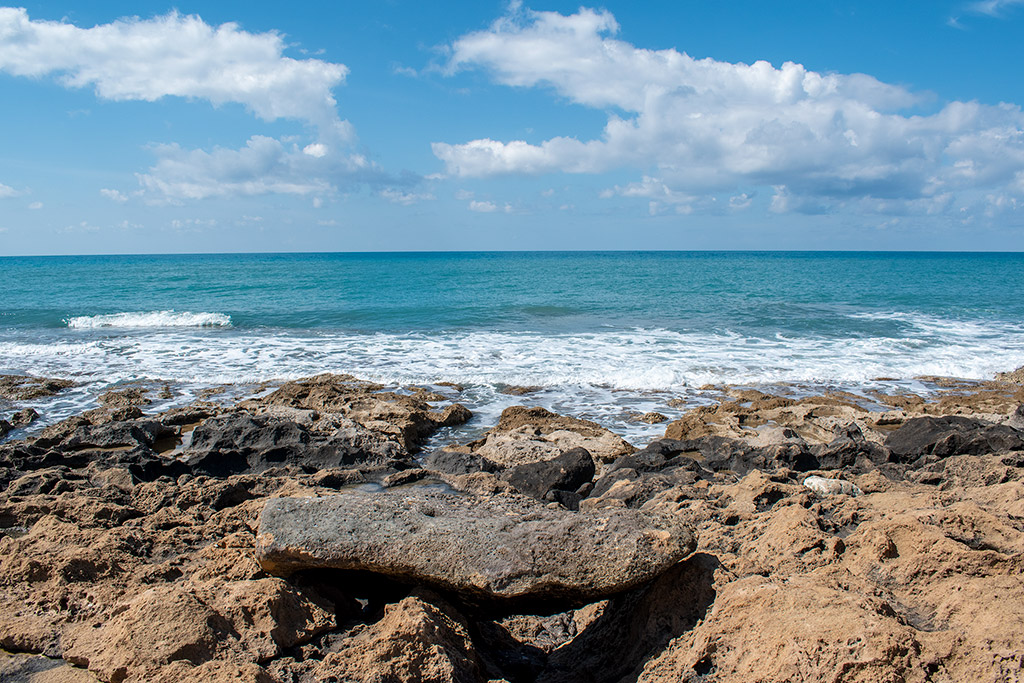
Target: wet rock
[
  {"x": 117, "y": 435},
  {"x": 650, "y": 418},
  {"x": 24, "y": 388},
  {"x": 123, "y": 398},
  {"x": 239, "y": 442},
  {"x": 5, "y": 428},
  {"x": 24, "y": 417},
  {"x": 951, "y": 435},
  {"x": 406, "y": 420},
  {"x": 524, "y": 435},
  {"x": 457, "y": 462},
  {"x": 190, "y": 414},
  {"x": 506, "y": 553},
  {"x": 566, "y": 472}
]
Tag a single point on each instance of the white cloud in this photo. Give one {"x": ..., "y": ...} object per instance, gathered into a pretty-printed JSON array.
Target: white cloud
[
  {"x": 264, "y": 165},
  {"x": 114, "y": 195},
  {"x": 405, "y": 198},
  {"x": 992, "y": 7},
  {"x": 8, "y": 191},
  {"x": 740, "y": 201},
  {"x": 483, "y": 207},
  {"x": 701, "y": 126},
  {"x": 35, "y": 206},
  {"x": 176, "y": 55},
  {"x": 489, "y": 207},
  {"x": 317, "y": 150},
  {"x": 183, "y": 56},
  {"x": 463, "y": 195}
]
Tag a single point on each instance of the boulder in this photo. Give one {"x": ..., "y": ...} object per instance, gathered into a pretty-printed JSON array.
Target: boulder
[
  {"x": 403, "y": 419},
  {"x": 951, "y": 435},
  {"x": 509, "y": 553},
  {"x": 24, "y": 417},
  {"x": 421, "y": 638},
  {"x": 457, "y": 462},
  {"x": 157, "y": 627},
  {"x": 524, "y": 435},
  {"x": 567, "y": 472},
  {"x": 24, "y": 388}
]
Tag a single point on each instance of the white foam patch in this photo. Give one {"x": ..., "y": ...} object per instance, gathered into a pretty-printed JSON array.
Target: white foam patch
[
  {"x": 150, "y": 319},
  {"x": 603, "y": 376}
]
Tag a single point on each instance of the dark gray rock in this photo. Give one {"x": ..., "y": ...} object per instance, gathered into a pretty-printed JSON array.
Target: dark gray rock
[
  {"x": 953, "y": 435},
  {"x": 117, "y": 435},
  {"x": 238, "y": 442},
  {"x": 457, "y": 462},
  {"x": 502, "y": 554},
  {"x": 567, "y": 472},
  {"x": 24, "y": 417}
]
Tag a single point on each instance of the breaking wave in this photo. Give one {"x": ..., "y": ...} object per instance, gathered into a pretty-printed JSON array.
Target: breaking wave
[{"x": 150, "y": 319}]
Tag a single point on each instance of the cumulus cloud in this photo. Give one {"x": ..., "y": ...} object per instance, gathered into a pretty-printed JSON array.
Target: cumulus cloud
[
  {"x": 176, "y": 55},
  {"x": 264, "y": 165},
  {"x": 701, "y": 126},
  {"x": 488, "y": 207},
  {"x": 182, "y": 56}
]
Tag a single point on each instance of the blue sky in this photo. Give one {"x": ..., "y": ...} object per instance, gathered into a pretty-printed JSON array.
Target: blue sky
[{"x": 208, "y": 127}]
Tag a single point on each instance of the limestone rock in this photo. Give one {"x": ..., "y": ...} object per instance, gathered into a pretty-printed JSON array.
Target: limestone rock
[
  {"x": 505, "y": 553},
  {"x": 24, "y": 388},
  {"x": 525, "y": 435},
  {"x": 421, "y": 638},
  {"x": 832, "y": 487},
  {"x": 159, "y": 626}
]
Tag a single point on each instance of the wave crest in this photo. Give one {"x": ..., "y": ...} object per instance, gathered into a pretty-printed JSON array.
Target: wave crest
[{"x": 150, "y": 319}]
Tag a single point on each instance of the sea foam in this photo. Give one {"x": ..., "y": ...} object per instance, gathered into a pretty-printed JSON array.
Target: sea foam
[{"x": 144, "y": 319}]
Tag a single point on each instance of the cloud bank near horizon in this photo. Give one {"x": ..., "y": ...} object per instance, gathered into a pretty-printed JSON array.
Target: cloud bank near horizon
[{"x": 695, "y": 128}]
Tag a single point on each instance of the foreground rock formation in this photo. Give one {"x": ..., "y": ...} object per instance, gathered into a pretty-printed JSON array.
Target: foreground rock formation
[
  {"x": 510, "y": 553},
  {"x": 301, "y": 537}
]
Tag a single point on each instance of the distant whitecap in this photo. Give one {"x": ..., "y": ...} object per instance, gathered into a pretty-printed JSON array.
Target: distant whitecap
[{"x": 150, "y": 319}]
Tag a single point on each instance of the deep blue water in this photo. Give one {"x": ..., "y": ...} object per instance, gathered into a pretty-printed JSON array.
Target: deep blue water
[{"x": 578, "y": 324}]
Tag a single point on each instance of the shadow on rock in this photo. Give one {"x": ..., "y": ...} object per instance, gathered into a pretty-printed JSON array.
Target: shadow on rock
[{"x": 634, "y": 627}]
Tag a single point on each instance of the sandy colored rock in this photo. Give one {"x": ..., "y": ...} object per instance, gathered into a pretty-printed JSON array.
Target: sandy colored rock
[
  {"x": 511, "y": 552},
  {"x": 420, "y": 638},
  {"x": 407, "y": 420},
  {"x": 158, "y": 627},
  {"x": 24, "y": 668},
  {"x": 525, "y": 435}
]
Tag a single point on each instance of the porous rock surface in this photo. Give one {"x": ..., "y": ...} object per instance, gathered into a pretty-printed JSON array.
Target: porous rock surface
[
  {"x": 510, "y": 552},
  {"x": 525, "y": 435},
  {"x": 129, "y": 554}
]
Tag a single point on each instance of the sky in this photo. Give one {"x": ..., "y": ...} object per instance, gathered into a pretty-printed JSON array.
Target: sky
[{"x": 148, "y": 127}]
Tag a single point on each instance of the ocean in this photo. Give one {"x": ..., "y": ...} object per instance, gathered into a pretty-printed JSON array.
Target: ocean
[{"x": 598, "y": 335}]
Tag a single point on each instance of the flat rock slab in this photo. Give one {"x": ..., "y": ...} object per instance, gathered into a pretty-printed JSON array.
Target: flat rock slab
[{"x": 506, "y": 552}]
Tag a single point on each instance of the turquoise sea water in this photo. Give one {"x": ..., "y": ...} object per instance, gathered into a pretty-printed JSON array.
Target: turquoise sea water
[{"x": 602, "y": 334}]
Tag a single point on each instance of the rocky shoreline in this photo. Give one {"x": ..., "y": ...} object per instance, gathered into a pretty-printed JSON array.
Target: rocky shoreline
[{"x": 302, "y": 535}]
